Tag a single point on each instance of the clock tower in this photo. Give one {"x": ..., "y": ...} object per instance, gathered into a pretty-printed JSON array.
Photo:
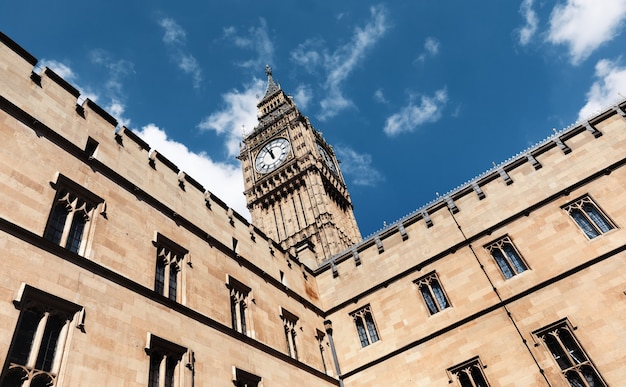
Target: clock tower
[{"x": 293, "y": 185}]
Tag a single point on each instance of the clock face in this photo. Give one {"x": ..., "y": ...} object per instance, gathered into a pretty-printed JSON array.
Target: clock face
[
  {"x": 327, "y": 159},
  {"x": 272, "y": 155}
]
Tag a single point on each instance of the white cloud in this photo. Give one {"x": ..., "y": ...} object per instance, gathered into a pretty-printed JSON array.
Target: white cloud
[
  {"x": 412, "y": 116},
  {"x": 431, "y": 45},
  {"x": 309, "y": 54},
  {"x": 380, "y": 97},
  {"x": 238, "y": 114},
  {"x": 175, "y": 40},
  {"x": 431, "y": 48},
  {"x": 113, "y": 88},
  {"x": 584, "y": 25},
  {"x": 222, "y": 179},
  {"x": 61, "y": 69},
  {"x": 339, "y": 64},
  {"x": 256, "y": 39},
  {"x": 117, "y": 109},
  {"x": 67, "y": 73},
  {"x": 303, "y": 96},
  {"x": 528, "y": 31},
  {"x": 110, "y": 91},
  {"x": 609, "y": 87},
  {"x": 358, "y": 167},
  {"x": 333, "y": 102},
  {"x": 174, "y": 34},
  {"x": 116, "y": 67},
  {"x": 189, "y": 65}
]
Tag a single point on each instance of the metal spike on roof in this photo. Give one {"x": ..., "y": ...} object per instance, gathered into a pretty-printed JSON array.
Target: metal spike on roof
[{"x": 271, "y": 85}]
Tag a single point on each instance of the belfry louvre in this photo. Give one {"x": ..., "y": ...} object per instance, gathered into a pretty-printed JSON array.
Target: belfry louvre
[{"x": 119, "y": 269}]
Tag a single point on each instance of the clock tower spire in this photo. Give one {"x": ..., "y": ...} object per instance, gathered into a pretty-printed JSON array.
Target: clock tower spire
[{"x": 293, "y": 184}]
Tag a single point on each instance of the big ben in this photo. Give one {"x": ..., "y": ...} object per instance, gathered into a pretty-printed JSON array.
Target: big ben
[{"x": 294, "y": 187}]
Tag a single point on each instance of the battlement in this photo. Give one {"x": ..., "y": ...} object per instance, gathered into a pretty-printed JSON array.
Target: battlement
[
  {"x": 53, "y": 108},
  {"x": 496, "y": 175},
  {"x": 111, "y": 237},
  {"x": 103, "y": 127},
  {"x": 513, "y": 189}
]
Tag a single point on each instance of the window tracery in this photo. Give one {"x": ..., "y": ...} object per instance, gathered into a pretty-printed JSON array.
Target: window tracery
[{"x": 365, "y": 326}]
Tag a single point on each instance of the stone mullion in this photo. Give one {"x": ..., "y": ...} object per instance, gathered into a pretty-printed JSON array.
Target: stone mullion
[
  {"x": 321, "y": 345},
  {"x": 238, "y": 314},
  {"x": 579, "y": 205},
  {"x": 468, "y": 373},
  {"x": 361, "y": 316},
  {"x": 471, "y": 378},
  {"x": 34, "y": 350},
  {"x": 573, "y": 363},
  {"x": 293, "y": 335},
  {"x": 432, "y": 295},
  {"x": 178, "y": 375},
  {"x": 58, "y": 354},
  {"x": 290, "y": 336},
  {"x": 508, "y": 259},
  {"x": 162, "y": 370},
  {"x": 288, "y": 339},
  {"x": 175, "y": 270},
  {"x": 426, "y": 283},
  {"x": 88, "y": 232},
  {"x": 166, "y": 273},
  {"x": 68, "y": 223},
  {"x": 238, "y": 296},
  {"x": 27, "y": 381}
]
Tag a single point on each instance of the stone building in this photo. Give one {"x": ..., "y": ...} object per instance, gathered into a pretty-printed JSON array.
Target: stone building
[
  {"x": 293, "y": 184},
  {"x": 119, "y": 269}
]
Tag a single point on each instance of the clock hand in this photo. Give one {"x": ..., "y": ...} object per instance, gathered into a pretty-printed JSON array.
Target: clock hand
[{"x": 271, "y": 153}]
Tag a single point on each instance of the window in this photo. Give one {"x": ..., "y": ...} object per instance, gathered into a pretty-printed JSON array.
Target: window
[
  {"x": 169, "y": 257},
  {"x": 365, "y": 327},
  {"x": 469, "y": 373},
  {"x": 238, "y": 304},
  {"x": 165, "y": 358},
  {"x": 289, "y": 322},
  {"x": 246, "y": 379},
  {"x": 39, "y": 340},
  {"x": 589, "y": 217},
  {"x": 70, "y": 215},
  {"x": 320, "y": 342},
  {"x": 433, "y": 293},
  {"x": 574, "y": 363},
  {"x": 506, "y": 256}
]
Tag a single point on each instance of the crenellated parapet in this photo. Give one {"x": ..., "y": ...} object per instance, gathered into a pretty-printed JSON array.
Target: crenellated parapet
[
  {"x": 54, "y": 109},
  {"x": 511, "y": 190}
]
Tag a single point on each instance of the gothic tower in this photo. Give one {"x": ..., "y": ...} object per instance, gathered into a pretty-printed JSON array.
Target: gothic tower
[{"x": 293, "y": 184}]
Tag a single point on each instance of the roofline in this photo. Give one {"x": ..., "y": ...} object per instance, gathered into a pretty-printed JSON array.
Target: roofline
[{"x": 497, "y": 171}]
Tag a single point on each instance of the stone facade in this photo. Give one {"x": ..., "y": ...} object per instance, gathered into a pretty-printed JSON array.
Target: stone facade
[{"x": 152, "y": 280}]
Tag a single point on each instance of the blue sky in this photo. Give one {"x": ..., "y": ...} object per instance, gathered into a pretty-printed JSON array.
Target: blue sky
[{"x": 417, "y": 97}]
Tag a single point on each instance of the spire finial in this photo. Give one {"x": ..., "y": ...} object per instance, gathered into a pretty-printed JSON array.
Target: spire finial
[{"x": 271, "y": 85}]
